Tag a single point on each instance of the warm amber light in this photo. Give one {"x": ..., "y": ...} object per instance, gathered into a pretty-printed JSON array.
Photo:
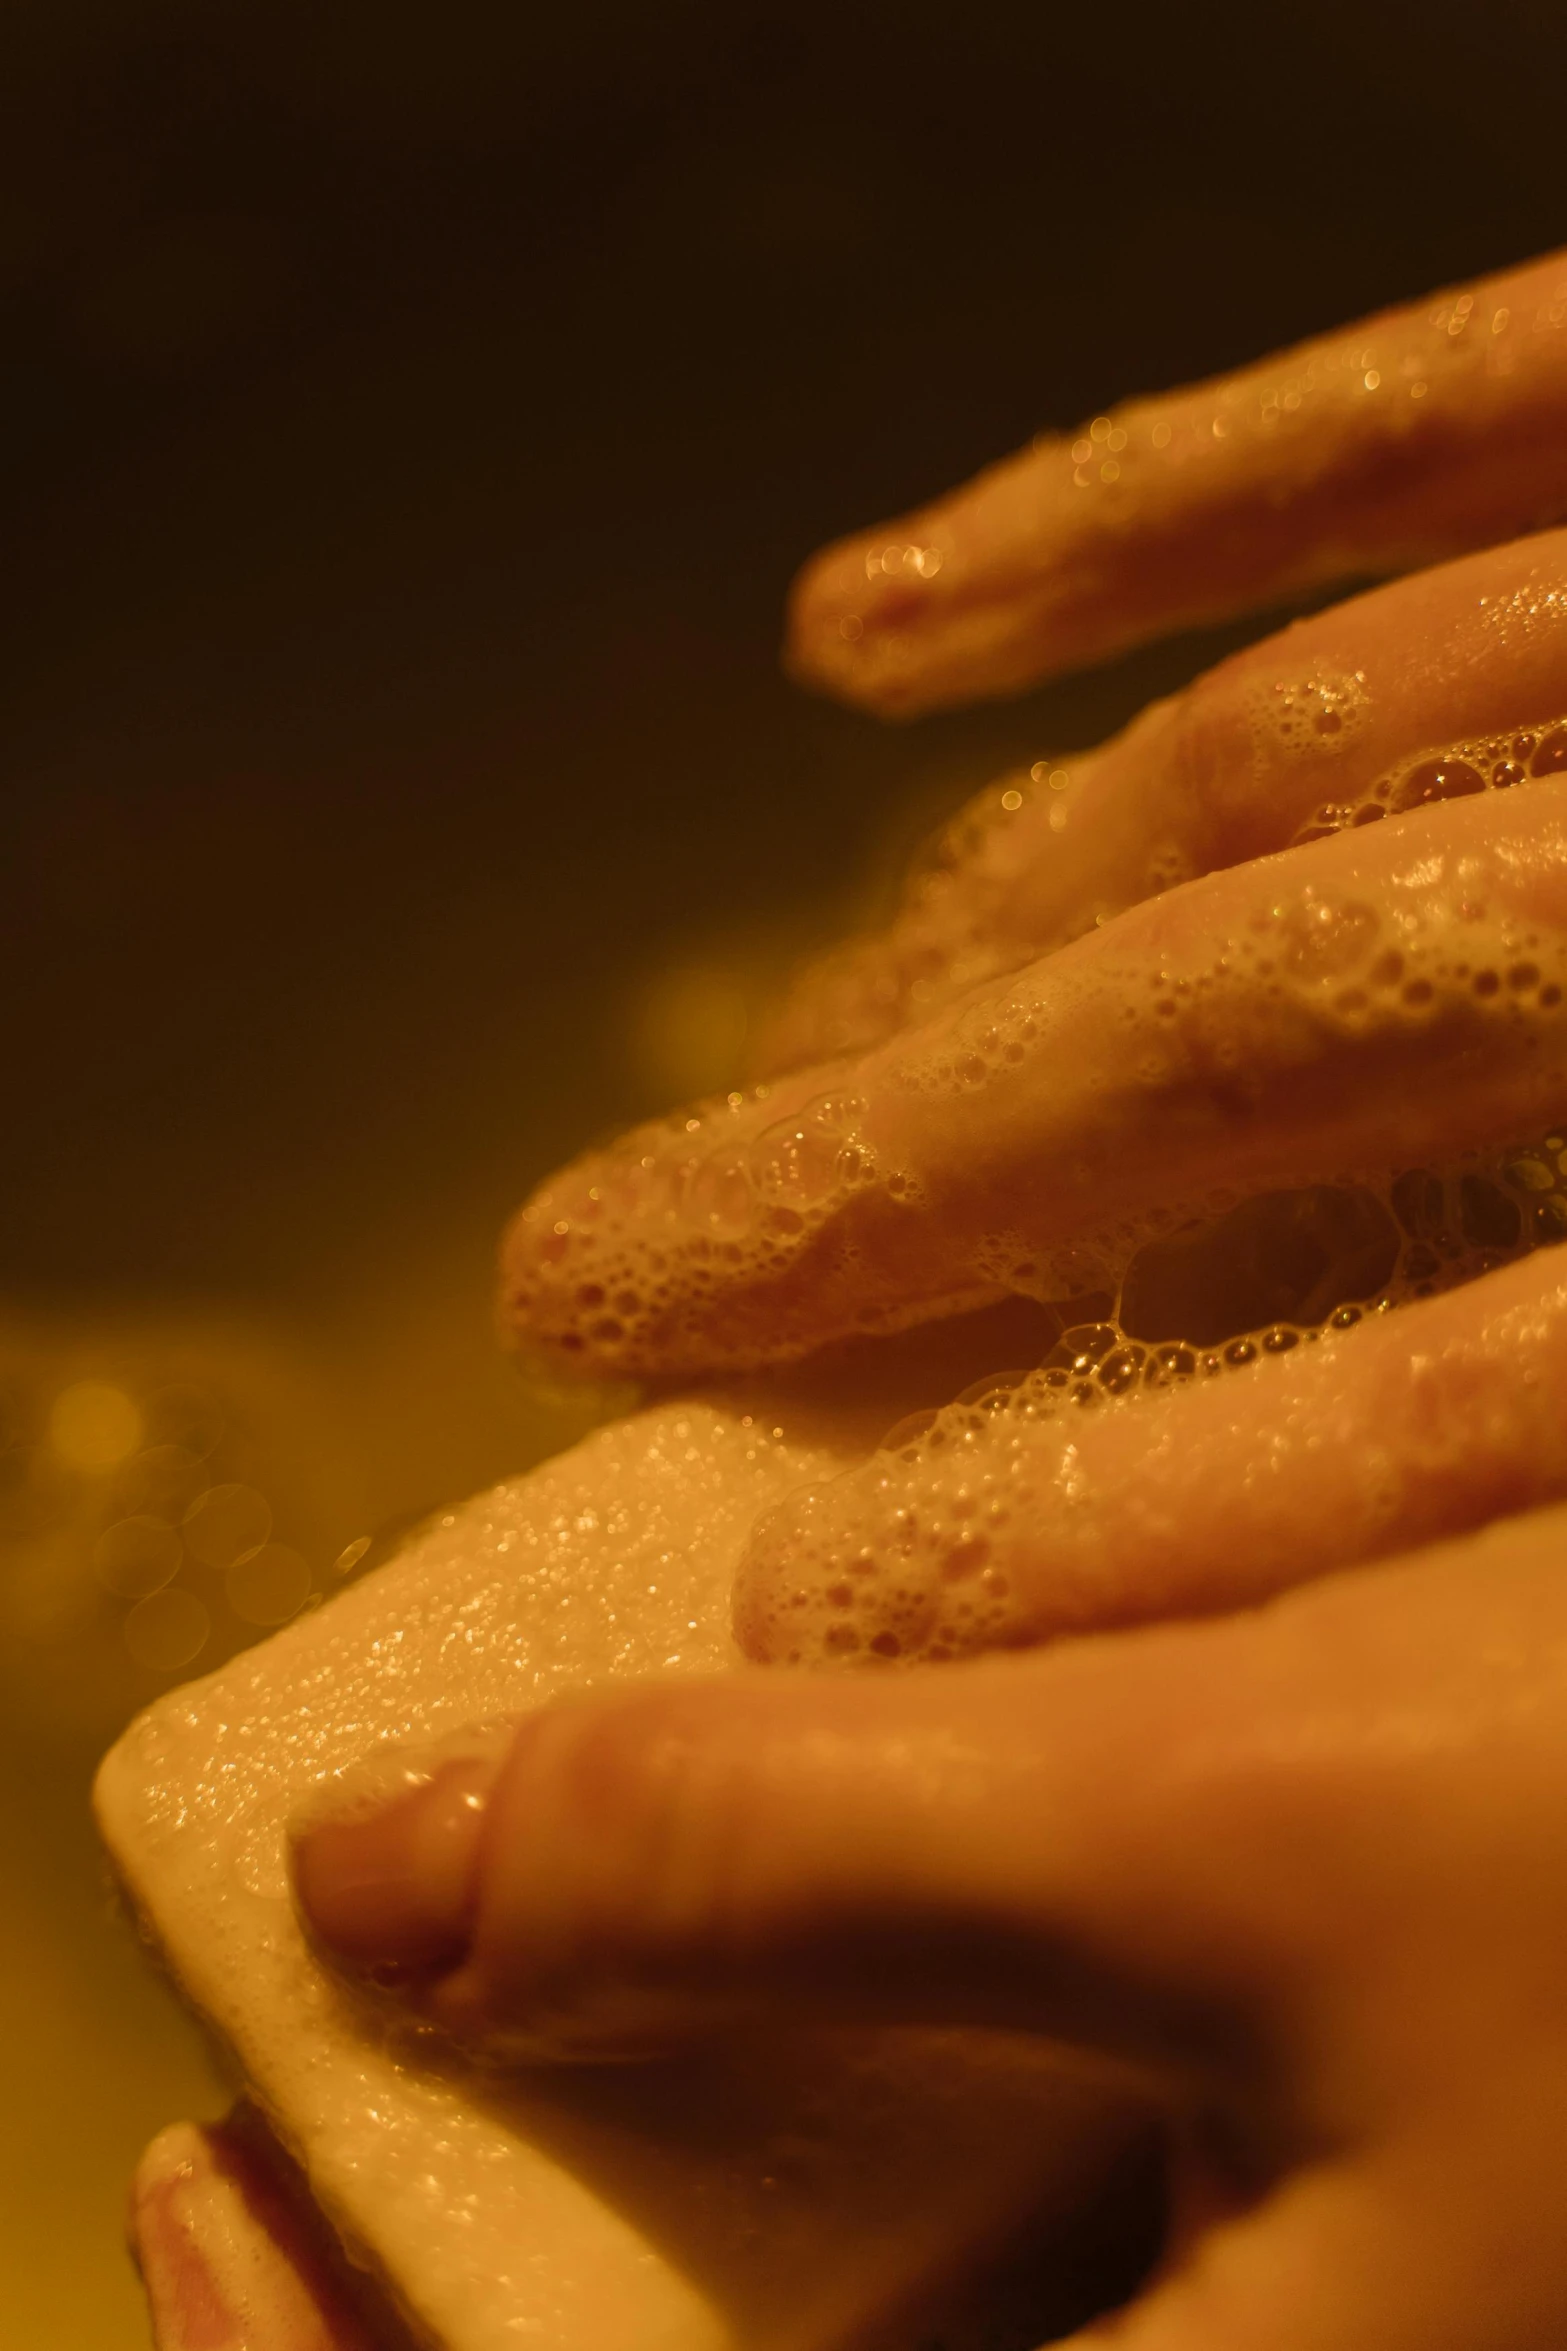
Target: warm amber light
[
  {"x": 167, "y": 1630},
  {"x": 689, "y": 1030},
  {"x": 93, "y": 1427},
  {"x": 226, "y": 1524},
  {"x": 269, "y": 1587},
  {"x": 137, "y": 1556}
]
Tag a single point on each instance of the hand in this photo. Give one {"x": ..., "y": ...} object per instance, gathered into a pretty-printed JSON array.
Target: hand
[
  {"x": 1289, "y": 927},
  {"x": 852, "y": 1198},
  {"x": 1304, "y": 1871}
]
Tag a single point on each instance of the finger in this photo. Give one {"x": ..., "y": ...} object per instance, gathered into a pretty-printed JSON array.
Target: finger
[
  {"x": 941, "y": 1848},
  {"x": 1008, "y": 1527},
  {"x": 1306, "y": 1864},
  {"x": 1144, "y": 1843},
  {"x": 1438, "y": 685},
  {"x": 1378, "y": 999},
  {"x": 1407, "y": 437},
  {"x": 229, "y": 2261}
]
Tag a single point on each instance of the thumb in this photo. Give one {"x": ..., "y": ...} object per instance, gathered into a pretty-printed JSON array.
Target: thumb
[{"x": 1026, "y": 1842}]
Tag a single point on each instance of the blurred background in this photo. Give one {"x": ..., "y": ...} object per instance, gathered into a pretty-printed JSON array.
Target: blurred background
[{"x": 409, "y": 421}]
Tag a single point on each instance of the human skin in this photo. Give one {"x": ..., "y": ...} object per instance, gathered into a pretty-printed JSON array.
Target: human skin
[
  {"x": 1232, "y": 767},
  {"x": 231, "y": 2255},
  {"x": 1303, "y": 1869},
  {"x": 1372, "y": 1000},
  {"x": 1298, "y": 1864},
  {"x": 1391, "y": 443},
  {"x": 1302, "y": 1872}
]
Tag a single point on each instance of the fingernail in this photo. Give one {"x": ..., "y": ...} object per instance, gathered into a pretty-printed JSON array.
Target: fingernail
[{"x": 397, "y": 1887}]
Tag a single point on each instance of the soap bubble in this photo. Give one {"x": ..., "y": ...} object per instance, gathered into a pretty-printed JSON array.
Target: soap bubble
[
  {"x": 163, "y": 1480},
  {"x": 226, "y": 1524},
  {"x": 167, "y": 1630},
  {"x": 137, "y": 1556}
]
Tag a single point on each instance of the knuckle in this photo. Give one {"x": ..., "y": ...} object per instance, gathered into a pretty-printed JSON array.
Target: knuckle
[
  {"x": 604, "y": 1762},
  {"x": 645, "y": 1785},
  {"x": 606, "y": 1864},
  {"x": 1212, "y": 760}
]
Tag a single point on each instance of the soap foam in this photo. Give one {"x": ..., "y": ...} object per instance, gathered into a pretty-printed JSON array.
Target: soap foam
[
  {"x": 1453, "y": 771},
  {"x": 821, "y": 1586},
  {"x": 681, "y": 1211},
  {"x": 1321, "y": 712},
  {"x": 656, "y": 1252},
  {"x": 1310, "y": 967},
  {"x": 795, "y": 2194}
]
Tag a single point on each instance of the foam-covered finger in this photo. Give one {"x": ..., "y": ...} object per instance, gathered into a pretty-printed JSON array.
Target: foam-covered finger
[
  {"x": 1440, "y": 686},
  {"x": 1378, "y": 998},
  {"x": 229, "y": 2259},
  {"x": 1407, "y": 437},
  {"x": 1071, "y": 1501}
]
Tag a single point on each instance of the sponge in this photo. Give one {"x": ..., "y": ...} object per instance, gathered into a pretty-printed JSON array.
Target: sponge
[{"x": 824, "y": 2192}]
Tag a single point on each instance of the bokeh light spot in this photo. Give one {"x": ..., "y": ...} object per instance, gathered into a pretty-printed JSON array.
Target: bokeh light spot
[
  {"x": 48, "y": 1597},
  {"x": 163, "y": 1480},
  {"x": 226, "y": 1524},
  {"x": 94, "y": 1426},
  {"x": 167, "y": 1630},
  {"x": 136, "y": 1556},
  {"x": 688, "y": 1029},
  {"x": 269, "y": 1587}
]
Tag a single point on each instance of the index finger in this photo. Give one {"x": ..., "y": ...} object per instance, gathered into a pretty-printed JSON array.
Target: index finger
[
  {"x": 1419, "y": 433},
  {"x": 1375, "y": 999}
]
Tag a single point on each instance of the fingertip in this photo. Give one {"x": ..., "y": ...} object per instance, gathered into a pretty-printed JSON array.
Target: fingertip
[
  {"x": 823, "y": 623},
  {"x": 398, "y": 1886},
  {"x": 850, "y": 612}
]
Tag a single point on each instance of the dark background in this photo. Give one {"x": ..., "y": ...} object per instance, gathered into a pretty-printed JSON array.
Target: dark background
[{"x": 408, "y": 426}]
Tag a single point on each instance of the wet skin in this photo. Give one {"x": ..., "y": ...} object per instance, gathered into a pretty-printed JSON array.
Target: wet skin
[{"x": 1299, "y": 1864}]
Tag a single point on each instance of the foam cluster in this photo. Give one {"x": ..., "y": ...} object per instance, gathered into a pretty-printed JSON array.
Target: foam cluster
[
  {"x": 634, "y": 1253},
  {"x": 905, "y": 1561},
  {"x": 1485, "y": 763},
  {"x": 1307, "y": 716},
  {"x": 1245, "y": 1038}
]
